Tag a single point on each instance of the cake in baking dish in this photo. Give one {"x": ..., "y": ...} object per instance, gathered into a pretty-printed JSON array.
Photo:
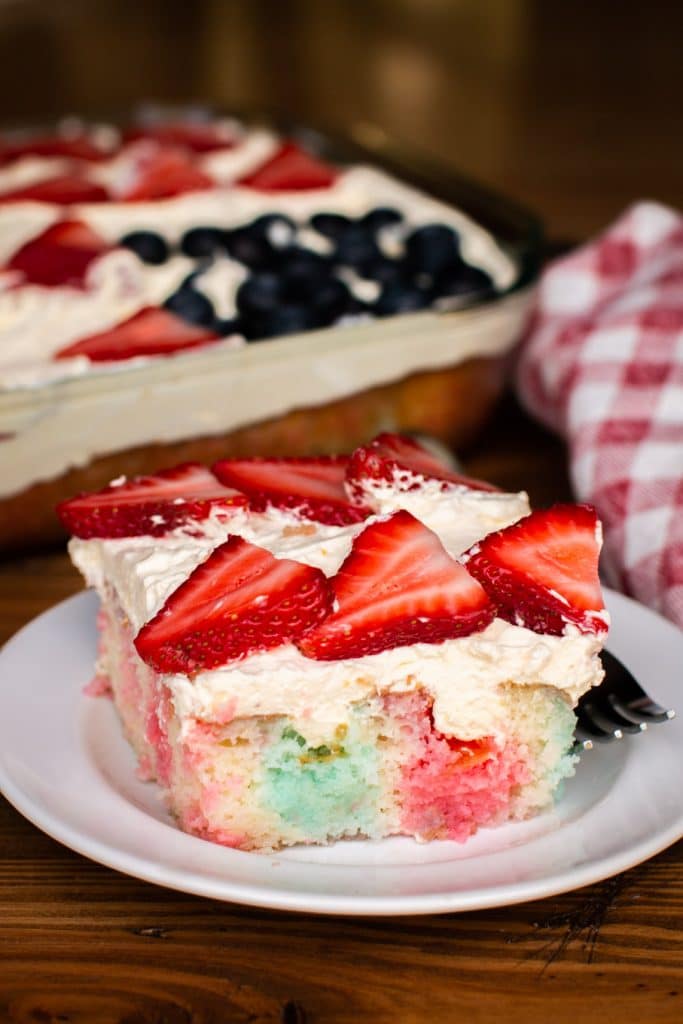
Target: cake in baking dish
[
  {"x": 304, "y": 650},
  {"x": 193, "y": 287},
  {"x": 135, "y": 244}
]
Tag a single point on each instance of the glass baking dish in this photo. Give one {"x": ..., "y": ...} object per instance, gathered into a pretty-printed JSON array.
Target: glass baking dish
[{"x": 437, "y": 372}]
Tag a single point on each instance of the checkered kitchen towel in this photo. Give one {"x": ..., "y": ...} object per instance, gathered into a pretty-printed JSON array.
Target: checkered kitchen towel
[{"x": 603, "y": 365}]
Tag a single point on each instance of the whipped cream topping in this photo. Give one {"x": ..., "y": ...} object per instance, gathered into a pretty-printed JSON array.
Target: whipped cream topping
[
  {"x": 463, "y": 676},
  {"x": 36, "y": 322}
]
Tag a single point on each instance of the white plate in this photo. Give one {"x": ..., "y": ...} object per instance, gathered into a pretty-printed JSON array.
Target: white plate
[{"x": 65, "y": 765}]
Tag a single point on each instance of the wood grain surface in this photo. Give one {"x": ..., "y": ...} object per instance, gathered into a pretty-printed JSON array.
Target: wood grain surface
[{"x": 80, "y": 943}]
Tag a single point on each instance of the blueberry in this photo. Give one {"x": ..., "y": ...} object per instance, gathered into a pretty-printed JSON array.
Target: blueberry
[
  {"x": 202, "y": 242},
  {"x": 356, "y": 248},
  {"x": 432, "y": 248},
  {"x": 192, "y": 306},
  {"x": 251, "y": 248},
  {"x": 332, "y": 225},
  {"x": 400, "y": 298},
  {"x": 259, "y": 294},
  {"x": 275, "y": 228},
  {"x": 356, "y": 307},
  {"x": 227, "y": 327},
  {"x": 380, "y": 217},
  {"x": 287, "y": 319},
  {"x": 147, "y": 245},
  {"x": 384, "y": 270},
  {"x": 302, "y": 272},
  {"x": 462, "y": 279},
  {"x": 330, "y": 301}
]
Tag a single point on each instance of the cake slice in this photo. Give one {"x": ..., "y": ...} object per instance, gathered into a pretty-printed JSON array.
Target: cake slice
[{"x": 349, "y": 647}]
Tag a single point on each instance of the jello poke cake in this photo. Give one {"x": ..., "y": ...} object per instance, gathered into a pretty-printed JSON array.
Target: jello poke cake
[
  {"x": 206, "y": 285},
  {"x": 303, "y": 650}
]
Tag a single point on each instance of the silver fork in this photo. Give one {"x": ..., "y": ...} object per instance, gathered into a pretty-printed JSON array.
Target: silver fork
[{"x": 619, "y": 705}]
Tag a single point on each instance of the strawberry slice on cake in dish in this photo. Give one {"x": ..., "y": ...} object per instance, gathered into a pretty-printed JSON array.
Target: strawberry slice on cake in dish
[
  {"x": 150, "y": 332},
  {"x": 59, "y": 256},
  {"x": 291, "y": 169}
]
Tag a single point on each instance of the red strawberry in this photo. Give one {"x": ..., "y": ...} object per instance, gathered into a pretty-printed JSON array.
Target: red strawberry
[
  {"x": 151, "y": 332},
  {"x": 240, "y": 600},
  {"x": 164, "y": 173},
  {"x": 403, "y": 462},
  {"x": 542, "y": 572},
  {"x": 63, "y": 190},
  {"x": 397, "y": 586},
  {"x": 196, "y": 136},
  {"x": 313, "y": 487},
  {"x": 291, "y": 169},
  {"x": 60, "y": 255},
  {"x": 148, "y": 505},
  {"x": 77, "y": 147}
]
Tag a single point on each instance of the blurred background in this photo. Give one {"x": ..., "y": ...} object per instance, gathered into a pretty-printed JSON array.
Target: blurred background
[{"x": 572, "y": 108}]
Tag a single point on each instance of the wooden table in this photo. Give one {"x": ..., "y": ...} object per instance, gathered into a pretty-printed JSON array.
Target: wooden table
[{"x": 81, "y": 943}]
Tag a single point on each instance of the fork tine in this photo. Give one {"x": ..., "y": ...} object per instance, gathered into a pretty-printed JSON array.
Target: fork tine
[
  {"x": 587, "y": 731},
  {"x": 600, "y": 710},
  {"x": 627, "y": 696}
]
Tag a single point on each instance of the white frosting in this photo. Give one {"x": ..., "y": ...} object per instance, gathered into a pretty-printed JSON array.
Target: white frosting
[
  {"x": 35, "y": 322},
  {"x": 462, "y": 675},
  {"x": 28, "y": 170}
]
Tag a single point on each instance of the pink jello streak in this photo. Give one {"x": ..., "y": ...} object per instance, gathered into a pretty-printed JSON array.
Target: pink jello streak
[{"x": 452, "y": 787}]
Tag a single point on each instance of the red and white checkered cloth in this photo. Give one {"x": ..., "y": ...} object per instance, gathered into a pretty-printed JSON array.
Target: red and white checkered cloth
[{"x": 603, "y": 365}]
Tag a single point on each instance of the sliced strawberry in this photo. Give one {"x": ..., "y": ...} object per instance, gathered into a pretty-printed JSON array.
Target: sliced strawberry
[
  {"x": 60, "y": 255},
  {"x": 397, "y": 586},
  {"x": 195, "y": 136},
  {"x": 312, "y": 487},
  {"x": 240, "y": 600},
  {"x": 291, "y": 169},
  {"x": 76, "y": 147},
  {"x": 402, "y": 462},
  {"x": 150, "y": 332},
  {"x": 164, "y": 173},
  {"x": 148, "y": 505},
  {"x": 63, "y": 190},
  {"x": 542, "y": 572}
]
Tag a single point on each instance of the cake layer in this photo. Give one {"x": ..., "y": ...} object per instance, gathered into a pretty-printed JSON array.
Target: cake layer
[{"x": 379, "y": 765}]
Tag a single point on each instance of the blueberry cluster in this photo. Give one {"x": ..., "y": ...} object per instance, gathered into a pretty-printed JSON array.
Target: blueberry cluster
[{"x": 294, "y": 287}]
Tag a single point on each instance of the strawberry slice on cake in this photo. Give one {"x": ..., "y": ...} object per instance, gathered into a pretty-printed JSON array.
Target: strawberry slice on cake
[
  {"x": 312, "y": 487},
  {"x": 150, "y": 332},
  {"x": 542, "y": 572},
  {"x": 74, "y": 147},
  {"x": 164, "y": 173},
  {"x": 291, "y": 169},
  {"x": 149, "y": 505},
  {"x": 242, "y": 599},
  {"x": 402, "y": 462},
  {"x": 59, "y": 256},
  {"x": 194, "y": 136},
  {"x": 397, "y": 586},
  {"x": 62, "y": 190}
]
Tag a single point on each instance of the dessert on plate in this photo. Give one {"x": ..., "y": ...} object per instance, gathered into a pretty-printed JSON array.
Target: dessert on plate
[
  {"x": 187, "y": 287},
  {"x": 308, "y": 649}
]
